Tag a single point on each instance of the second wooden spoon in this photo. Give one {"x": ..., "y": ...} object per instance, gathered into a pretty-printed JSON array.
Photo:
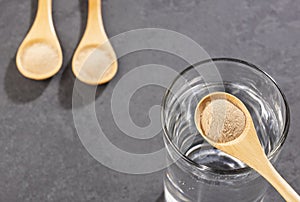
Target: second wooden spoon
[{"x": 94, "y": 61}]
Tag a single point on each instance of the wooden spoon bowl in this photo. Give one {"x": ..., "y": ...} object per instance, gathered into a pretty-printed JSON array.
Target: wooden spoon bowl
[{"x": 40, "y": 56}]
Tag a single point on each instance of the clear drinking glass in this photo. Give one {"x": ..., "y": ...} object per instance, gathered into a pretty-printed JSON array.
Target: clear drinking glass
[{"x": 201, "y": 172}]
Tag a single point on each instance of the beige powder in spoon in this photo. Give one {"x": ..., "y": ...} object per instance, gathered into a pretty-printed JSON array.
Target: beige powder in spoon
[
  {"x": 92, "y": 63},
  {"x": 41, "y": 57},
  {"x": 222, "y": 121}
]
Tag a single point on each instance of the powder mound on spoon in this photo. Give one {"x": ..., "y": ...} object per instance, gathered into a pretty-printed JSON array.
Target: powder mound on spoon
[
  {"x": 222, "y": 121},
  {"x": 40, "y": 58}
]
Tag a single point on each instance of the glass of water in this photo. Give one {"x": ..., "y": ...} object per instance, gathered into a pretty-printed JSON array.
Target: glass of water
[{"x": 199, "y": 172}]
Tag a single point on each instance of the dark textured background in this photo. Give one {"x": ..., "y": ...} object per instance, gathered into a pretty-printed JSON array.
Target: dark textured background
[{"x": 41, "y": 157}]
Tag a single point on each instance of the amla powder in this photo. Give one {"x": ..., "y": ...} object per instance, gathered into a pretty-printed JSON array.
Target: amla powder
[
  {"x": 222, "y": 121},
  {"x": 41, "y": 57}
]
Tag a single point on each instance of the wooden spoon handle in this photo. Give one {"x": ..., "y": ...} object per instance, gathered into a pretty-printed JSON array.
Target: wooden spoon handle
[
  {"x": 274, "y": 178},
  {"x": 44, "y": 8},
  {"x": 94, "y": 29},
  {"x": 250, "y": 151},
  {"x": 44, "y": 11},
  {"x": 43, "y": 23}
]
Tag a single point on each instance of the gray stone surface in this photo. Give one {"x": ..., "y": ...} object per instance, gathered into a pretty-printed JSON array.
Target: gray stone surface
[{"x": 41, "y": 156}]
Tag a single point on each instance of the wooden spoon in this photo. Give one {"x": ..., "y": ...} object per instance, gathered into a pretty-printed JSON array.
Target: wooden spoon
[
  {"x": 246, "y": 147},
  {"x": 40, "y": 55},
  {"x": 94, "y": 61}
]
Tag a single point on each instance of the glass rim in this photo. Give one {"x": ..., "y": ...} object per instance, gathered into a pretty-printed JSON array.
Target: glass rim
[{"x": 246, "y": 169}]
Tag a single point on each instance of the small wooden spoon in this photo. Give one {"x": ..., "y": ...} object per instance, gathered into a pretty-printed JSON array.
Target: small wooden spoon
[
  {"x": 94, "y": 61},
  {"x": 246, "y": 147},
  {"x": 40, "y": 56}
]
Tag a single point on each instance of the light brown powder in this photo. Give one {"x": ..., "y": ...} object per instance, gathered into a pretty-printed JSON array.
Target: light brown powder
[
  {"x": 92, "y": 63},
  {"x": 41, "y": 57},
  {"x": 222, "y": 121}
]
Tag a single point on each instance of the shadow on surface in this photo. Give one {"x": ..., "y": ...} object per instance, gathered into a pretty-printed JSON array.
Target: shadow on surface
[
  {"x": 20, "y": 89},
  {"x": 161, "y": 198},
  {"x": 66, "y": 90},
  {"x": 83, "y": 5},
  {"x": 34, "y": 5}
]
